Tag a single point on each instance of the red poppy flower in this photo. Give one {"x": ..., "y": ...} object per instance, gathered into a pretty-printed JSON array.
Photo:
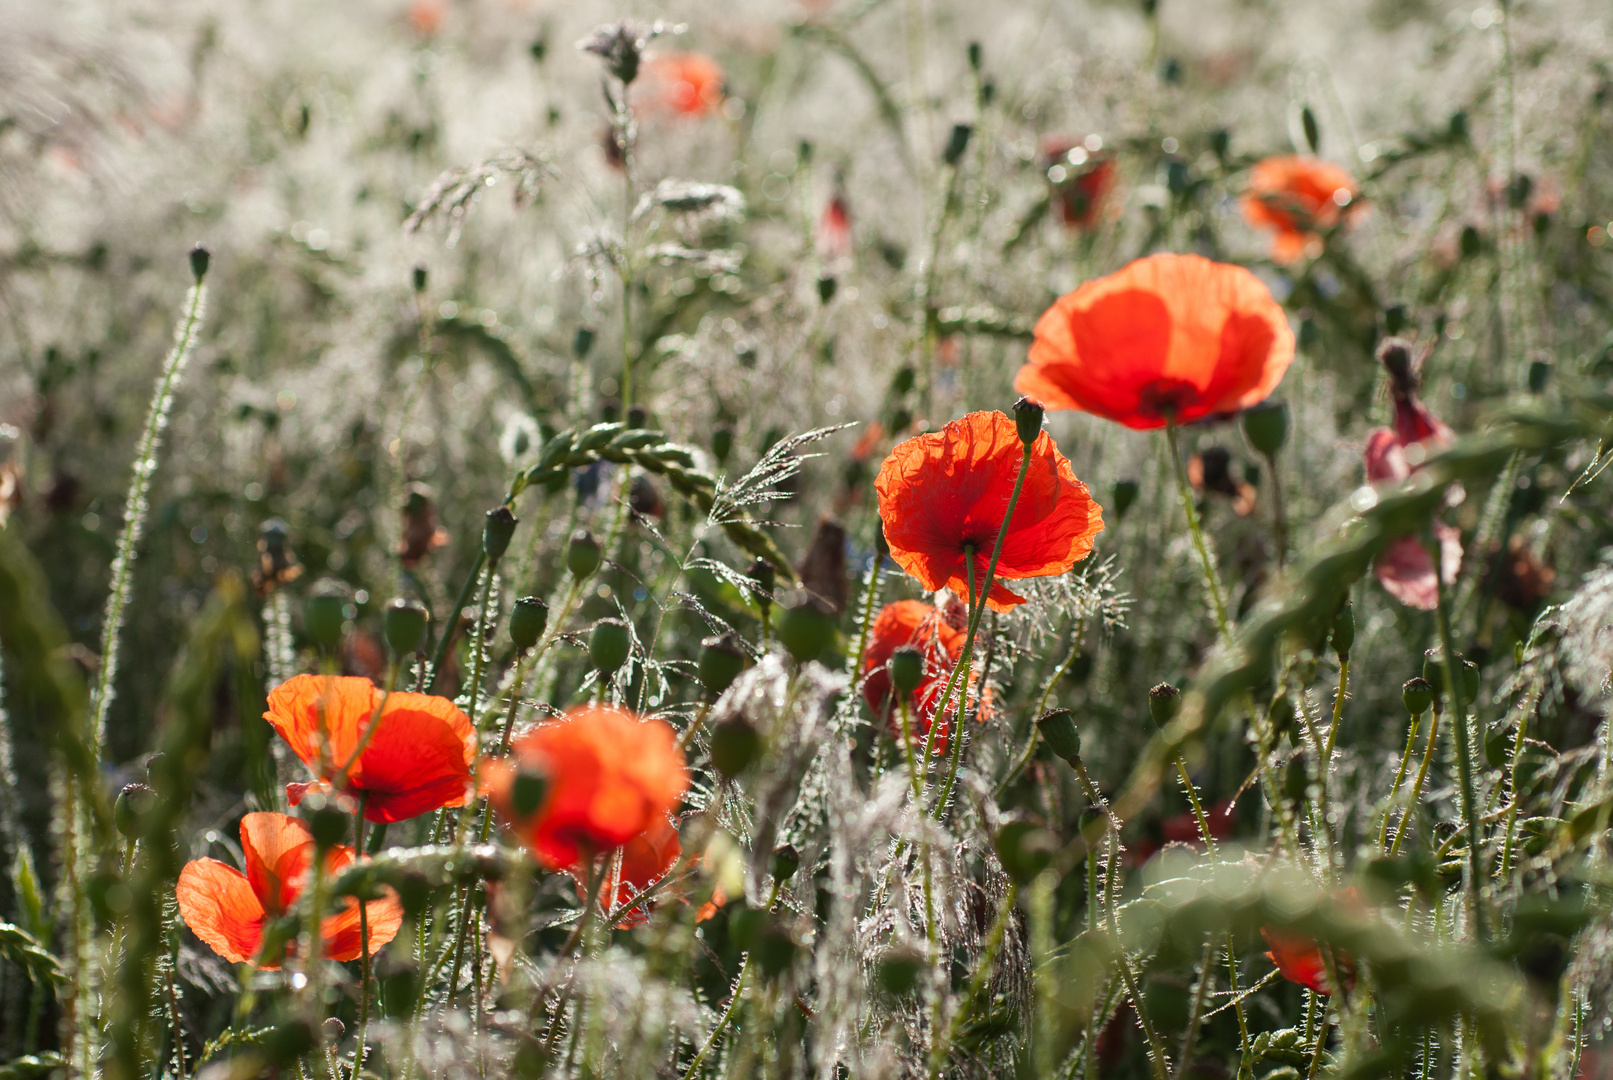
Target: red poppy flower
[
  {"x": 1299, "y": 959},
  {"x": 941, "y": 492},
  {"x": 1080, "y": 178},
  {"x": 688, "y": 84},
  {"x": 227, "y": 909},
  {"x": 918, "y": 625},
  {"x": 1297, "y": 198},
  {"x": 418, "y": 758},
  {"x": 646, "y": 859},
  {"x": 611, "y": 777},
  {"x": 834, "y": 231},
  {"x": 1167, "y": 337}
]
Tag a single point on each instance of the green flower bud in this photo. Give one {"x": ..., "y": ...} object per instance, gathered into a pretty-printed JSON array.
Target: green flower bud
[
  {"x": 326, "y": 821},
  {"x": 528, "y": 620},
  {"x": 134, "y": 802},
  {"x": 906, "y": 667},
  {"x": 1025, "y": 851},
  {"x": 1123, "y": 493},
  {"x": 200, "y": 258},
  {"x": 609, "y": 644},
  {"x": 324, "y": 615},
  {"x": 496, "y": 533},
  {"x": 527, "y": 791},
  {"x": 722, "y": 658},
  {"x": 1266, "y": 426},
  {"x": 1468, "y": 672},
  {"x": 583, "y": 554},
  {"x": 1059, "y": 732},
  {"x": 735, "y": 744},
  {"x": 1027, "y": 421},
  {"x": 1164, "y": 702},
  {"x": 1417, "y": 695},
  {"x": 785, "y": 862},
  {"x": 806, "y": 630},
  {"x": 1344, "y": 630},
  {"x": 404, "y": 625}
]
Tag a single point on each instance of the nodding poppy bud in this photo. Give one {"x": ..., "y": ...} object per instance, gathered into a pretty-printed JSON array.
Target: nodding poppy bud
[
  {"x": 637, "y": 416},
  {"x": 528, "y": 791},
  {"x": 1434, "y": 675},
  {"x": 1266, "y": 426},
  {"x": 906, "y": 667},
  {"x": 1417, "y": 695},
  {"x": 582, "y": 342},
  {"x": 583, "y": 554},
  {"x": 1468, "y": 672},
  {"x": 1024, "y": 850},
  {"x": 404, "y": 625},
  {"x": 826, "y": 288},
  {"x": 135, "y": 801},
  {"x": 334, "y": 1029},
  {"x": 418, "y": 277},
  {"x": 764, "y": 576},
  {"x": 200, "y": 258},
  {"x": 805, "y": 629},
  {"x": 324, "y": 614},
  {"x": 786, "y": 861},
  {"x": 722, "y": 442},
  {"x": 1059, "y": 732},
  {"x": 1344, "y": 630},
  {"x": 957, "y": 143},
  {"x": 528, "y": 621},
  {"x": 722, "y": 658},
  {"x": 899, "y": 969},
  {"x": 326, "y": 822},
  {"x": 1123, "y": 493},
  {"x": 608, "y": 646},
  {"x": 1027, "y": 421},
  {"x": 1495, "y": 745},
  {"x": 735, "y": 743},
  {"x": 1164, "y": 702},
  {"x": 496, "y": 533}
]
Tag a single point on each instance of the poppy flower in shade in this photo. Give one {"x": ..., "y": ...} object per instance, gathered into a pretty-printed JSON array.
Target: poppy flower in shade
[
  {"x": 228, "y": 909},
  {"x": 611, "y": 778},
  {"x": 418, "y": 758},
  {"x": 942, "y": 492},
  {"x": 1300, "y": 960},
  {"x": 1167, "y": 337},
  {"x": 687, "y": 84},
  {"x": 914, "y": 624},
  {"x": 1298, "y": 198}
]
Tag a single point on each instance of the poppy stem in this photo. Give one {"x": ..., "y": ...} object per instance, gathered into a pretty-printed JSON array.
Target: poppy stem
[
  {"x": 363, "y": 932},
  {"x": 1417, "y": 785},
  {"x": 441, "y": 652},
  {"x": 1212, "y": 581},
  {"x": 1400, "y": 777},
  {"x": 1279, "y": 517},
  {"x": 1464, "y": 758}
]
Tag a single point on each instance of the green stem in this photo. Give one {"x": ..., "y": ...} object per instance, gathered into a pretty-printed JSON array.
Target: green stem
[
  {"x": 977, "y": 981},
  {"x": 1195, "y": 1017},
  {"x": 1464, "y": 759},
  {"x": 447, "y": 637},
  {"x": 1417, "y": 785},
  {"x": 1078, "y": 633},
  {"x": 1400, "y": 776},
  {"x": 733, "y": 1002},
  {"x": 1279, "y": 519},
  {"x": 1212, "y": 581}
]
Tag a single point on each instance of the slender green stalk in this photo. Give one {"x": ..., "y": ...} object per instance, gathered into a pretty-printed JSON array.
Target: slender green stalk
[
  {"x": 441, "y": 652},
  {"x": 1464, "y": 758},
  {"x": 1279, "y": 517},
  {"x": 1212, "y": 581},
  {"x": 977, "y": 981},
  {"x": 1400, "y": 776},
  {"x": 1417, "y": 785}
]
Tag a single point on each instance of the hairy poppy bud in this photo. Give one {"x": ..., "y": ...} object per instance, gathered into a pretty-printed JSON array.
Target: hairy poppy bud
[
  {"x": 608, "y": 646},
  {"x": 1344, "y": 630},
  {"x": 1266, "y": 426},
  {"x": 134, "y": 802},
  {"x": 906, "y": 667},
  {"x": 404, "y": 625},
  {"x": 326, "y": 822},
  {"x": 805, "y": 629},
  {"x": 200, "y": 257},
  {"x": 764, "y": 576},
  {"x": 735, "y": 743},
  {"x": 528, "y": 620},
  {"x": 899, "y": 969},
  {"x": 1024, "y": 850},
  {"x": 1417, "y": 695},
  {"x": 1434, "y": 675},
  {"x": 1027, "y": 421},
  {"x": 722, "y": 658},
  {"x": 785, "y": 862},
  {"x": 583, "y": 554},
  {"x": 1059, "y": 732},
  {"x": 496, "y": 533},
  {"x": 957, "y": 143},
  {"x": 826, "y": 288},
  {"x": 324, "y": 614},
  {"x": 528, "y": 791},
  {"x": 1164, "y": 702},
  {"x": 1123, "y": 493},
  {"x": 418, "y": 277},
  {"x": 722, "y": 442}
]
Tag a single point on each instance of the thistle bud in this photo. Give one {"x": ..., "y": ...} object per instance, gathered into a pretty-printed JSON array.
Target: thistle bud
[
  {"x": 527, "y": 791},
  {"x": 1164, "y": 702},
  {"x": 1024, "y": 850},
  {"x": 608, "y": 646},
  {"x": 785, "y": 862},
  {"x": 1343, "y": 635},
  {"x": 1059, "y": 732},
  {"x": 1266, "y": 426},
  {"x": 722, "y": 658},
  {"x": 134, "y": 802},
  {"x": 805, "y": 629},
  {"x": 1122, "y": 493},
  {"x": 1027, "y": 421},
  {"x": 404, "y": 625},
  {"x": 957, "y": 143},
  {"x": 324, "y": 614},
  {"x": 200, "y": 258},
  {"x": 583, "y": 554},
  {"x": 528, "y": 621},
  {"x": 1417, "y": 695},
  {"x": 735, "y": 744},
  {"x": 906, "y": 667},
  {"x": 496, "y": 533}
]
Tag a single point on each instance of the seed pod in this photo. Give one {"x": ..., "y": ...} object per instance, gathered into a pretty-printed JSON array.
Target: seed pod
[
  {"x": 527, "y": 792},
  {"x": 1344, "y": 630},
  {"x": 528, "y": 620},
  {"x": 200, "y": 258},
  {"x": 785, "y": 862},
  {"x": 1123, "y": 493},
  {"x": 324, "y": 615},
  {"x": 899, "y": 969},
  {"x": 609, "y": 644},
  {"x": 764, "y": 578},
  {"x": 735, "y": 744},
  {"x": 906, "y": 667},
  {"x": 1027, "y": 421},
  {"x": 583, "y": 554},
  {"x": 1434, "y": 675},
  {"x": 1164, "y": 702},
  {"x": 806, "y": 630},
  {"x": 722, "y": 658},
  {"x": 404, "y": 625},
  {"x": 1266, "y": 426},
  {"x": 134, "y": 802},
  {"x": 496, "y": 533},
  {"x": 1059, "y": 732},
  {"x": 1024, "y": 850},
  {"x": 1417, "y": 695}
]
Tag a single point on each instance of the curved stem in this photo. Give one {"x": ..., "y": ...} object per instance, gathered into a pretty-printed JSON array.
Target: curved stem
[
  {"x": 1400, "y": 777},
  {"x": 447, "y": 637},
  {"x": 1464, "y": 759},
  {"x": 1417, "y": 785},
  {"x": 1212, "y": 581}
]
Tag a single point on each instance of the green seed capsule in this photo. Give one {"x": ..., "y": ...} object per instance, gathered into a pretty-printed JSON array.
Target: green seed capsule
[
  {"x": 404, "y": 626},
  {"x": 906, "y": 667},
  {"x": 583, "y": 554},
  {"x": 722, "y": 658},
  {"x": 735, "y": 744},
  {"x": 1059, "y": 732},
  {"x": 806, "y": 630},
  {"x": 1417, "y": 695},
  {"x": 528, "y": 620},
  {"x": 1266, "y": 426},
  {"x": 785, "y": 862},
  {"x": 1164, "y": 702},
  {"x": 135, "y": 801},
  {"x": 324, "y": 616},
  {"x": 609, "y": 644}
]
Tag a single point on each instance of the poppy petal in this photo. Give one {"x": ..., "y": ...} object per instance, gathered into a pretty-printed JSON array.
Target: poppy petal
[
  {"x": 302, "y": 704},
  {"x": 278, "y": 850},
  {"x": 217, "y": 902},
  {"x": 419, "y": 759},
  {"x": 342, "y": 931}
]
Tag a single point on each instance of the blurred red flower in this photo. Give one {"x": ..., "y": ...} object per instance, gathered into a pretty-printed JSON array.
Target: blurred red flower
[
  {"x": 1167, "y": 337},
  {"x": 834, "y": 230},
  {"x": 1299, "y": 958},
  {"x": 1080, "y": 180},
  {"x": 227, "y": 909},
  {"x": 947, "y": 490},
  {"x": 417, "y": 759},
  {"x": 611, "y": 778},
  {"x": 1298, "y": 198},
  {"x": 688, "y": 84},
  {"x": 921, "y": 626}
]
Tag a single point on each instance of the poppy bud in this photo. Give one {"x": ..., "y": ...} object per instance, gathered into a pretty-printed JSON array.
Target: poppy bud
[
  {"x": 334, "y": 1029},
  {"x": 1434, "y": 675},
  {"x": 899, "y": 969},
  {"x": 583, "y": 554},
  {"x": 906, "y": 667},
  {"x": 957, "y": 143},
  {"x": 608, "y": 646},
  {"x": 1496, "y": 743},
  {"x": 1164, "y": 702},
  {"x": 582, "y": 342},
  {"x": 528, "y": 620},
  {"x": 826, "y": 288},
  {"x": 418, "y": 277},
  {"x": 1539, "y": 375},
  {"x": 735, "y": 743},
  {"x": 1027, "y": 421},
  {"x": 637, "y": 417},
  {"x": 764, "y": 577},
  {"x": 1024, "y": 850},
  {"x": 806, "y": 630},
  {"x": 404, "y": 625},
  {"x": 722, "y": 442},
  {"x": 326, "y": 822},
  {"x": 324, "y": 614},
  {"x": 1344, "y": 630},
  {"x": 134, "y": 802},
  {"x": 501, "y": 523},
  {"x": 1468, "y": 672},
  {"x": 1123, "y": 493},
  {"x": 786, "y": 861},
  {"x": 200, "y": 257},
  {"x": 527, "y": 792},
  {"x": 1059, "y": 732},
  {"x": 1472, "y": 242},
  {"x": 722, "y": 658},
  {"x": 1417, "y": 695},
  {"x": 1266, "y": 426}
]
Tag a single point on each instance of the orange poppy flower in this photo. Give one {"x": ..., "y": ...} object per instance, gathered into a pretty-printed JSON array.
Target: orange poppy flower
[
  {"x": 611, "y": 777},
  {"x": 921, "y": 626},
  {"x": 1167, "y": 337},
  {"x": 946, "y": 490},
  {"x": 1297, "y": 198},
  {"x": 688, "y": 84},
  {"x": 228, "y": 909},
  {"x": 645, "y": 860},
  {"x": 418, "y": 758}
]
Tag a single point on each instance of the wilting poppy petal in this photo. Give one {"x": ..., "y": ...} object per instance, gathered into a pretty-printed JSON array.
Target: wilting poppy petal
[
  {"x": 1298, "y": 958},
  {"x": 218, "y": 904},
  {"x": 1297, "y": 198},
  {"x": 941, "y": 492},
  {"x": 1405, "y": 567},
  {"x": 918, "y": 625},
  {"x": 1168, "y": 336}
]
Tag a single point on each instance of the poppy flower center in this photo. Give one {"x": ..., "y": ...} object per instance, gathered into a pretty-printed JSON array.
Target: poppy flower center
[{"x": 1166, "y": 397}]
